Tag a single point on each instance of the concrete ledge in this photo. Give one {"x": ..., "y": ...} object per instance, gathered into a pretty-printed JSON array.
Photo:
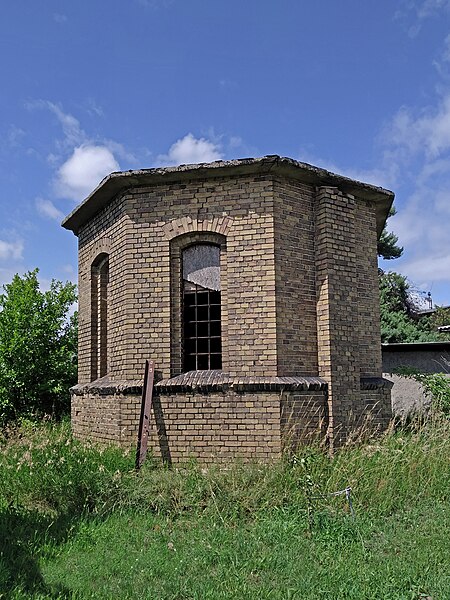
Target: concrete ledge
[{"x": 106, "y": 386}]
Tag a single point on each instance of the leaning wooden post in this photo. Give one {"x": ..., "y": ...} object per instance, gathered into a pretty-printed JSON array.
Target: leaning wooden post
[{"x": 147, "y": 394}]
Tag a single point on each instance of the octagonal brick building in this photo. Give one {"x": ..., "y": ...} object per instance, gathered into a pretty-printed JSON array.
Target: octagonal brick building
[{"x": 252, "y": 284}]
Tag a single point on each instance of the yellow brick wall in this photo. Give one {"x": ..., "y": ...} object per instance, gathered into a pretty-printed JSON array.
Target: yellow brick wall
[
  {"x": 337, "y": 305},
  {"x": 107, "y": 233},
  {"x": 368, "y": 306},
  {"x": 209, "y": 427},
  {"x": 296, "y": 318},
  {"x": 137, "y": 227},
  {"x": 299, "y": 298}
]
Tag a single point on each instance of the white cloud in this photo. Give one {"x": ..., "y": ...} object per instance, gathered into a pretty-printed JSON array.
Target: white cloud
[
  {"x": 47, "y": 209},
  {"x": 420, "y": 11},
  {"x": 73, "y": 133},
  {"x": 59, "y": 18},
  {"x": 446, "y": 51},
  {"x": 415, "y": 163},
  {"x": 11, "y": 250},
  {"x": 70, "y": 125},
  {"x": 433, "y": 169},
  {"x": 6, "y": 276},
  {"x": 228, "y": 84},
  {"x": 420, "y": 144},
  {"x": 15, "y": 136},
  {"x": 93, "y": 108},
  {"x": 428, "y": 271},
  {"x": 119, "y": 150},
  {"x": 156, "y": 4},
  {"x": 422, "y": 222},
  {"x": 428, "y": 132},
  {"x": 427, "y": 8},
  {"x": 235, "y": 141},
  {"x": 191, "y": 150},
  {"x": 84, "y": 170},
  {"x": 69, "y": 269},
  {"x": 377, "y": 176},
  {"x": 79, "y": 161},
  {"x": 53, "y": 159}
]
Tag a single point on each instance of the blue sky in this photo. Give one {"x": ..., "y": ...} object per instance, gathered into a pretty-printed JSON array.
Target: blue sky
[{"x": 361, "y": 88}]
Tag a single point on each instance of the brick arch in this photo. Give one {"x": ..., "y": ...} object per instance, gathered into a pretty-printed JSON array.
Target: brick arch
[
  {"x": 183, "y": 240},
  {"x": 101, "y": 246},
  {"x": 177, "y": 245},
  {"x": 177, "y": 227}
]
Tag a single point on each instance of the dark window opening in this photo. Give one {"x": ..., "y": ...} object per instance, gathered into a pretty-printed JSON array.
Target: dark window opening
[
  {"x": 202, "y": 343},
  {"x": 99, "y": 316}
]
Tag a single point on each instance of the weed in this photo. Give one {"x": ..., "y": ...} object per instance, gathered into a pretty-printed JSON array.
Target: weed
[{"x": 76, "y": 521}]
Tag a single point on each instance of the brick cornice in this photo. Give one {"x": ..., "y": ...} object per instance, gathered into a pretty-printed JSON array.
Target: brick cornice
[{"x": 116, "y": 183}]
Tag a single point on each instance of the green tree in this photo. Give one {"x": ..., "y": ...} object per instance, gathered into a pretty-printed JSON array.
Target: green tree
[
  {"x": 38, "y": 346},
  {"x": 399, "y": 321},
  {"x": 441, "y": 316},
  {"x": 388, "y": 247}
]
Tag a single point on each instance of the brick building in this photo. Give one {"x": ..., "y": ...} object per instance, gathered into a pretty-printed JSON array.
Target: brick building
[{"x": 253, "y": 286}]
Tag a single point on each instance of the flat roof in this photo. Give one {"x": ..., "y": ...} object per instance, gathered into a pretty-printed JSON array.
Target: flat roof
[
  {"x": 118, "y": 182},
  {"x": 413, "y": 346}
]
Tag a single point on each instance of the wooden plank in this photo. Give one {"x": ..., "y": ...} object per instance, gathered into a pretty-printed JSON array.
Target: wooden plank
[{"x": 144, "y": 421}]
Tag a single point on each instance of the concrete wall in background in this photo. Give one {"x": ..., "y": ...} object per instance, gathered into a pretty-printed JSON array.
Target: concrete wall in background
[{"x": 427, "y": 357}]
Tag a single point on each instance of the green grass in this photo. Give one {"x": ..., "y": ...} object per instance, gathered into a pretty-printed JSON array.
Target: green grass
[{"x": 76, "y": 522}]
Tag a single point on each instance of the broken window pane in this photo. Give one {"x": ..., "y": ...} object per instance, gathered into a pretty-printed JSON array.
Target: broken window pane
[{"x": 202, "y": 347}]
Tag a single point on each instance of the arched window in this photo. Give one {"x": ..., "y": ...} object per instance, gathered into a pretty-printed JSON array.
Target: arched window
[
  {"x": 201, "y": 300},
  {"x": 99, "y": 316}
]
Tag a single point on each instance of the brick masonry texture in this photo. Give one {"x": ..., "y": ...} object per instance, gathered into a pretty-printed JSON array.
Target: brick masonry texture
[
  {"x": 211, "y": 427},
  {"x": 142, "y": 277},
  {"x": 295, "y": 278},
  {"x": 299, "y": 299}
]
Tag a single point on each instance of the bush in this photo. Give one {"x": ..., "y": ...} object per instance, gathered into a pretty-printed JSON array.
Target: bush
[{"x": 38, "y": 346}]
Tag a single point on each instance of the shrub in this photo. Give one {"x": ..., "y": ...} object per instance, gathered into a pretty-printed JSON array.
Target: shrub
[{"x": 38, "y": 343}]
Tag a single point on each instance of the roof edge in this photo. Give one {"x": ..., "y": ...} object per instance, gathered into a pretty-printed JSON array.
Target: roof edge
[
  {"x": 411, "y": 346},
  {"x": 120, "y": 181}
]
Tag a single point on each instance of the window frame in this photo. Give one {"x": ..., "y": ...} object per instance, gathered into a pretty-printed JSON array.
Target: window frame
[
  {"x": 177, "y": 245},
  {"x": 201, "y": 323}
]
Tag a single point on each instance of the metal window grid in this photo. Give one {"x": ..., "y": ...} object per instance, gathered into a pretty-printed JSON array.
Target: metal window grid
[{"x": 202, "y": 344}]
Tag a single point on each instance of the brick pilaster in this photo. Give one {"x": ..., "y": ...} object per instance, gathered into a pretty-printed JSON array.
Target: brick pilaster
[{"x": 337, "y": 322}]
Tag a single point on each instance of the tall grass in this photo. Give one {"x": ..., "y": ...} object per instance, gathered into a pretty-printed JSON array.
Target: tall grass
[
  {"x": 44, "y": 468},
  {"x": 71, "y": 513}
]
